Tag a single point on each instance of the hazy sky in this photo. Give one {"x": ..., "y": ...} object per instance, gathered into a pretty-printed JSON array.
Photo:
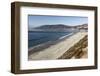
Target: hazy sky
[{"x": 38, "y": 20}]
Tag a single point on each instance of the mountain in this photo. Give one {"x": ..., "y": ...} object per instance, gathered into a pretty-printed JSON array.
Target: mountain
[{"x": 59, "y": 27}]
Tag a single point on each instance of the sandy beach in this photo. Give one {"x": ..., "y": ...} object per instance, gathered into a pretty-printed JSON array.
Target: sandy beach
[{"x": 57, "y": 50}]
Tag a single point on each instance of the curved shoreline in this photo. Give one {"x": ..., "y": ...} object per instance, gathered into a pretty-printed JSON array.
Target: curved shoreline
[
  {"x": 57, "y": 50},
  {"x": 47, "y": 44}
]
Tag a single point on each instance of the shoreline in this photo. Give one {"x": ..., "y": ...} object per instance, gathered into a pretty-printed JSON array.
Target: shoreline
[
  {"x": 47, "y": 44},
  {"x": 56, "y": 50}
]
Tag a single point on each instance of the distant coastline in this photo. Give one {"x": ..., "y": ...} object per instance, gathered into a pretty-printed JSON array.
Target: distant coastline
[
  {"x": 44, "y": 36},
  {"x": 59, "y": 28}
]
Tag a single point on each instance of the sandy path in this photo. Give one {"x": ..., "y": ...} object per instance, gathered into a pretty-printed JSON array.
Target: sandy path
[{"x": 55, "y": 51}]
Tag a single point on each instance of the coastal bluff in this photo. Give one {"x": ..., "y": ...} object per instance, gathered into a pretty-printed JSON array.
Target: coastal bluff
[{"x": 74, "y": 46}]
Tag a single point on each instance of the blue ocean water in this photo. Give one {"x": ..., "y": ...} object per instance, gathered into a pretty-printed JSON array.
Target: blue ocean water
[{"x": 36, "y": 38}]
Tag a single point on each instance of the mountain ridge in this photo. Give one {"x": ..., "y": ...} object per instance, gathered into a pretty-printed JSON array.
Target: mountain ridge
[{"x": 59, "y": 27}]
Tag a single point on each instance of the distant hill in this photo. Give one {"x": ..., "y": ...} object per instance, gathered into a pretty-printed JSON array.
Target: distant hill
[{"x": 59, "y": 27}]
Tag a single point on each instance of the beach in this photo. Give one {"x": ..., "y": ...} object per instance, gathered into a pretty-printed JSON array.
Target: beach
[{"x": 60, "y": 49}]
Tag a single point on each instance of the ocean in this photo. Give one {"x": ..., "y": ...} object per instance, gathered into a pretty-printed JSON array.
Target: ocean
[{"x": 36, "y": 38}]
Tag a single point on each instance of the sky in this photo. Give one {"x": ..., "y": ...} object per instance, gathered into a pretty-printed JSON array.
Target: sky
[{"x": 38, "y": 20}]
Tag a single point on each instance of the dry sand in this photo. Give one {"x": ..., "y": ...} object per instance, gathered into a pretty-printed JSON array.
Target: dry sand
[{"x": 57, "y": 50}]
